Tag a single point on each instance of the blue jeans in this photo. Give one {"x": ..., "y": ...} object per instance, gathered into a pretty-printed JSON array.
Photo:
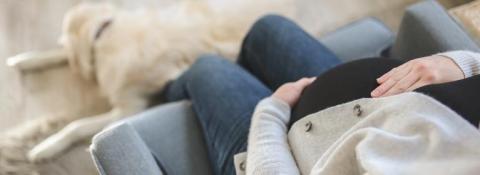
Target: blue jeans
[{"x": 224, "y": 94}]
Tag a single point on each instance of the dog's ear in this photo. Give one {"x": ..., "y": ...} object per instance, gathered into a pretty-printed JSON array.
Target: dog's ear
[
  {"x": 79, "y": 47},
  {"x": 80, "y": 57},
  {"x": 78, "y": 38}
]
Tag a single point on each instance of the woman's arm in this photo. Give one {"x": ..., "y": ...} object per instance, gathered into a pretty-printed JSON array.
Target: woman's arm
[
  {"x": 435, "y": 69},
  {"x": 268, "y": 149}
]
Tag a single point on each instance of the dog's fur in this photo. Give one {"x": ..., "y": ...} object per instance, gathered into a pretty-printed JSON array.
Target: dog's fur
[{"x": 133, "y": 54}]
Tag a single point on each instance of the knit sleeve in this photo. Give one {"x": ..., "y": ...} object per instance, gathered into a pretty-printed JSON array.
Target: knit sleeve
[
  {"x": 268, "y": 150},
  {"x": 468, "y": 61}
]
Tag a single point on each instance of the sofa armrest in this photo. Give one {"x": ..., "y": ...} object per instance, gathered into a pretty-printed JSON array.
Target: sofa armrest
[
  {"x": 166, "y": 138},
  {"x": 361, "y": 39},
  {"x": 175, "y": 138},
  {"x": 428, "y": 29},
  {"x": 116, "y": 149}
]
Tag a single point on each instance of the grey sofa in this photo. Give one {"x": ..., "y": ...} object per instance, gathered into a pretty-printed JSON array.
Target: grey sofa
[{"x": 167, "y": 139}]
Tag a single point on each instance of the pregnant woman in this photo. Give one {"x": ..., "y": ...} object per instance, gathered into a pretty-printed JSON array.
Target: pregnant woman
[{"x": 371, "y": 116}]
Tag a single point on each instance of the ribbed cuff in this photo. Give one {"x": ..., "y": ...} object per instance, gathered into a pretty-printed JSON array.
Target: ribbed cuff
[{"x": 468, "y": 61}]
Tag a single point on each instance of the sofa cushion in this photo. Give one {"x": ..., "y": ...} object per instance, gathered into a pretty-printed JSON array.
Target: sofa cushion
[{"x": 361, "y": 39}]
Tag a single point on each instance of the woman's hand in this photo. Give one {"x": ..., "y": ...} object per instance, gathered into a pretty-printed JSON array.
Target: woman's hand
[
  {"x": 417, "y": 73},
  {"x": 290, "y": 92}
]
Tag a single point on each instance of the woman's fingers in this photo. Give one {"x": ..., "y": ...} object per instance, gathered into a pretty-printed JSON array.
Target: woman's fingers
[
  {"x": 304, "y": 82},
  {"x": 393, "y": 77},
  {"x": 403, "y": 85},
  {"x": 420, "y": 83},
  {"x": 386, "y": 76},
  {"x": 396, "y": 73},
  {"x": 384, "y": 87},
  {"x": 290, "y": 92},
  {"x": 401, "y": 72}
]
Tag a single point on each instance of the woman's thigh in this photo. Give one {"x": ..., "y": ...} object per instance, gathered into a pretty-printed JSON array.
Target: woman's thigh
[
  {"x": 223, "y": 96},
  {"x": 276, "y": 50}
]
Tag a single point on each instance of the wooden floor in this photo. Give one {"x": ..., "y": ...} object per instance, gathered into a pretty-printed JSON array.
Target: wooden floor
[{"x": 27, "y": 25}]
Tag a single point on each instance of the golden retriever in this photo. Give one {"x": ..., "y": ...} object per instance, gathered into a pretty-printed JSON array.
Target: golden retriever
[{"x": 132, "y": 54}]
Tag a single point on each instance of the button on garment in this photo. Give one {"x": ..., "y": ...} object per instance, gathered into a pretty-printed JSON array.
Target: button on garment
[
  {"x": 240, "y": 161},
  {"x": 357, "y": 110},
  {"x": 308, "y": 126},
  {"x": 242, "y": 166}
]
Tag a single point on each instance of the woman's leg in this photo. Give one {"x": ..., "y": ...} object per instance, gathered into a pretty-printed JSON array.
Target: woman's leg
[
  {"x": 223, "y": 96},
  {"x": 357, "y": 79},
  {"x": 277, "y": 51}
]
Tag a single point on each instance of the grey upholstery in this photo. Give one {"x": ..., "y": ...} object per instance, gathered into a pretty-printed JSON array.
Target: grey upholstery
[
  {"x": 371, "y": 38},
  {"x": 428, "y": 29},
  {"x": 123, "y": 138},
  {"x": 171, "y": 134}
]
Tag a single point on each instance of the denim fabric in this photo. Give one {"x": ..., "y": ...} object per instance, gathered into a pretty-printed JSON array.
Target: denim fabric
[
  {"x": 277, "y": 51},
  {"x": 224, "y": 94}
]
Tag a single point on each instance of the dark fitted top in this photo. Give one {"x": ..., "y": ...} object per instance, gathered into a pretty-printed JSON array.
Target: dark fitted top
[{"x": 355, "y": 80}]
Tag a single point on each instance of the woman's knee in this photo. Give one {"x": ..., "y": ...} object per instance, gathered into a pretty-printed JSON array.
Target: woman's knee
[
  {"x": 269, "y": 23},
  {"x": 267, "y": 32},
  {"x": 269, "y": 26}
]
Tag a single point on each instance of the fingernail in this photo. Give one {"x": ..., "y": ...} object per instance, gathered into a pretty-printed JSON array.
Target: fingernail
[{"x": 374, "y": 93}]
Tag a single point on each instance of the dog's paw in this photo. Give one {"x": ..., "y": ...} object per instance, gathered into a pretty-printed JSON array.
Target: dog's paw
[{"x": 46, "y": 150}]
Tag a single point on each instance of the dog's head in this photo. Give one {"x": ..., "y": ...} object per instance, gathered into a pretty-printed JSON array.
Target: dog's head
[{"x": 82, "y": 25}]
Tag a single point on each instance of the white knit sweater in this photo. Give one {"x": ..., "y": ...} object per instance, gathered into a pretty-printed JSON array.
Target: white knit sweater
[{"x": 409, "y": 133}]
